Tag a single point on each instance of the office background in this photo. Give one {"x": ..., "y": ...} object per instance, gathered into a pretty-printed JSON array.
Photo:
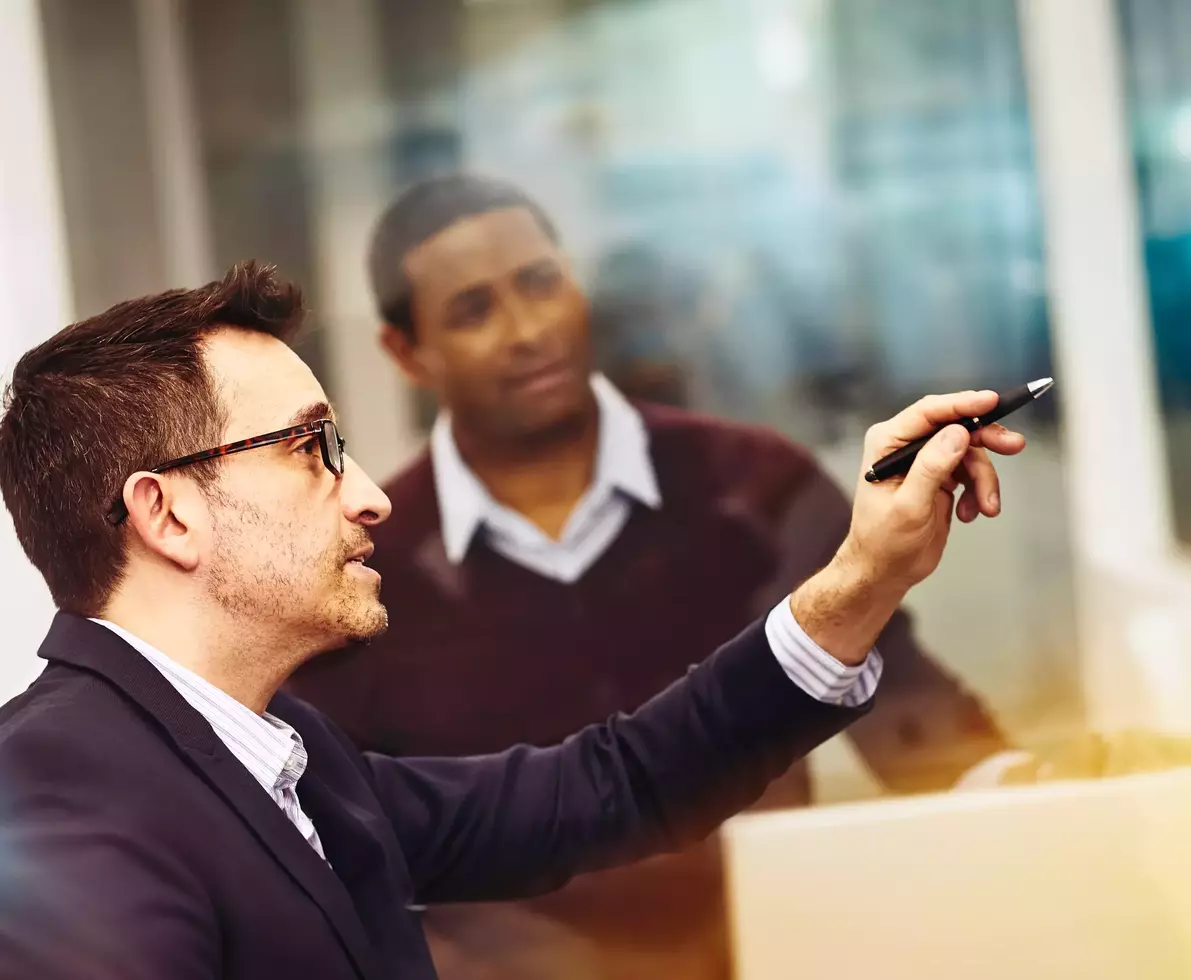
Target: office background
[{"x": 813, "y": 210}]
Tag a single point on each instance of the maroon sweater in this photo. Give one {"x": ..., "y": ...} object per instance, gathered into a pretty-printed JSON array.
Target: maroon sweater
[{"x": 486, "y": 654}]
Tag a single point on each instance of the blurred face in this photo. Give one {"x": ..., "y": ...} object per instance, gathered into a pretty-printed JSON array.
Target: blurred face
[
  {"x": 284, "y": 528},
  {"x": 502, "y": 327}
]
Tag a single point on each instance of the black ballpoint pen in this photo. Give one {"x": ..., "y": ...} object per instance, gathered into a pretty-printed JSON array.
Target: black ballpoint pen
[{"x": 898, "y": 462}]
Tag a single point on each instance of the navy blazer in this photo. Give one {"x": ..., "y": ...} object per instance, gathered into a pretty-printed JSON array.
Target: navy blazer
[{"x": 133, "y": 845}]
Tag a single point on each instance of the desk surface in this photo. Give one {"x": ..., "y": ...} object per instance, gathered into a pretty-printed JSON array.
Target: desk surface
[{"x": 1087, "y": 881}]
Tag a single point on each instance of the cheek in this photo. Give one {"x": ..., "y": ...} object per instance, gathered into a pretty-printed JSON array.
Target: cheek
[
  {"x": 571, "y": 317},
  {"x": 268, "y": 495},
  {"x": 277, "y": 513},
  {"x": 296, "y": 553},
  {"x": 470, "y": 364}
]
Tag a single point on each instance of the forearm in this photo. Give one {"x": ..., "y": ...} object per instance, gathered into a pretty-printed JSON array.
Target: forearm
[{"x": 844, "y": 607}]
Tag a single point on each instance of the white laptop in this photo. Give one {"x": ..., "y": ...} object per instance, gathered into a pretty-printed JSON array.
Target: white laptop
[{"x": 1059, "y": 881}]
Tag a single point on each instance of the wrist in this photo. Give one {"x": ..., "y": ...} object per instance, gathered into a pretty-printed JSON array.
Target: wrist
[
  {"x": 845, "y": 606},
  {"x": 857, "y": 575}
]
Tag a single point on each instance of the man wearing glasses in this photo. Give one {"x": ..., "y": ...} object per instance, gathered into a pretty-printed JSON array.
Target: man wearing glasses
[{"x": 165, "y": 812}]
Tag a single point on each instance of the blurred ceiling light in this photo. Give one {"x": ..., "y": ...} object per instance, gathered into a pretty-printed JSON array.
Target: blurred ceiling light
[
  {"x": 1180, "y": 132},
  {"x": 784, "y": 56}
]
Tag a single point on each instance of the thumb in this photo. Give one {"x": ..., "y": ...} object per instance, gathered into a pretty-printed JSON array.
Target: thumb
[{"x": 933, "y": 467}]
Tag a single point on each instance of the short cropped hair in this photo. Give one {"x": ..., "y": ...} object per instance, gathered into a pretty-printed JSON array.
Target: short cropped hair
[
  {"x": 108, "y": 396},
  {"x": 420, "y": 213}
]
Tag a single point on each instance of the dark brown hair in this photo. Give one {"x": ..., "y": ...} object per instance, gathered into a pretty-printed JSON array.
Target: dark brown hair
[
  {"x": 119, "y": 392},
  {"x": 425, "y": 209}
]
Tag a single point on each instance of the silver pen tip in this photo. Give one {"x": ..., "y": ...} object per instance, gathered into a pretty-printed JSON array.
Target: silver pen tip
[{"x": 1041, "y": 385}]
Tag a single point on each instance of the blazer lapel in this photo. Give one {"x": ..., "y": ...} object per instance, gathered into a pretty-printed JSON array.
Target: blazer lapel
[
  {"x": 95, "y": 648},
  {"x": 282, "y": 839}
]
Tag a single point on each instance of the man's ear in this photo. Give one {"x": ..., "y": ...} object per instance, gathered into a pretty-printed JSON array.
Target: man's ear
[
  {"x": 404, "y": 350},
  {"x": 164, "y": 515}
]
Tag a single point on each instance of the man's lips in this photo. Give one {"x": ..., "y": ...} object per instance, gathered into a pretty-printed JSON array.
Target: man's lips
[{"x": 541, "y": 378}]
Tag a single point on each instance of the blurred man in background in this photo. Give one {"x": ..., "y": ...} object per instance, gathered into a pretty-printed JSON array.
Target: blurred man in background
[{"x": 547, "y": 531}]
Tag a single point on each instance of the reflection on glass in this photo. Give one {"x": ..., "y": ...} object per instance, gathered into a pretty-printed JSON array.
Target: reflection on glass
[
  {"x": 850, "y": 183},
  {"x": 805, "y": 213}
]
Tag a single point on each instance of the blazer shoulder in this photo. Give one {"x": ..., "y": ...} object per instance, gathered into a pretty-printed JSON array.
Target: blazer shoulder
[
  {"x": 47, "y": 706},
  {"x": 72, "y": 734}
]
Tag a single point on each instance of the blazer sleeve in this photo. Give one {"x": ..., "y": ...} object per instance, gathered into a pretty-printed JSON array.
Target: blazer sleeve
[
  {"x": 528, "y": 819},
  {"x": 927, "y": 729},
  {"x": 82, "y": 895}
]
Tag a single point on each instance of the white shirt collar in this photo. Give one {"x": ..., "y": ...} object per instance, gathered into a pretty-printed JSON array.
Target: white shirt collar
[
  {"x": 265, "y": 745},
  {"x": 622, "y": 463}
]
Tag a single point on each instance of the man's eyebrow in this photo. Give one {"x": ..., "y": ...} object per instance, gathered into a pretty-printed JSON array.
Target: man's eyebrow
[{"x": 312, "y": 413}]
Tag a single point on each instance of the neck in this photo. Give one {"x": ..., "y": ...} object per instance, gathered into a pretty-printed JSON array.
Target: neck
[
  {"x": 542, "y": 479},
  {"x": 241, "y": 661}
]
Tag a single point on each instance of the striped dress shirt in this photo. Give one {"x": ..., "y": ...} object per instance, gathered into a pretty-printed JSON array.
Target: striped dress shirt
[{"x": 264, "y": 745}]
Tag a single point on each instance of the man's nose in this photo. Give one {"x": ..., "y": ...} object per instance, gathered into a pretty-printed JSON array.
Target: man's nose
[
  {"x": 527, "y": 321},
  {"x": 363, "y": 501}
]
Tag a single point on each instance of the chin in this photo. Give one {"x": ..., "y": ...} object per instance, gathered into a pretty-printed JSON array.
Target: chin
[
  {"x": 559, "y": 417},
  {"x": 370, "y": 625},
  {"x": 359, "y": 622}
]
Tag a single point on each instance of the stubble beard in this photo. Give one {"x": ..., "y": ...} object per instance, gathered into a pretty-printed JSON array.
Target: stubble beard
[{"x": 276, "y": 593}]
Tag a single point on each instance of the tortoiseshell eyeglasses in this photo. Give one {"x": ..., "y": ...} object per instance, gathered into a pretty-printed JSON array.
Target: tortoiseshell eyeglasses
[{"x": 329, "y": 440}]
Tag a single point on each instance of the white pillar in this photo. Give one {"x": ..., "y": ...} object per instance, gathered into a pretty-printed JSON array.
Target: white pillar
[
  {"x": 178, "y": 182},
  {"x": 34, "y": 294},
  {"x": 347, "y": 120},
  {"x": 1132, "y": 592}
]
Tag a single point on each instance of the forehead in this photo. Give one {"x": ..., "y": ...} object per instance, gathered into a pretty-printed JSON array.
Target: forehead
[
  {"x": 478, "y": 248},
  {"x": 260, "y": 380}
]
